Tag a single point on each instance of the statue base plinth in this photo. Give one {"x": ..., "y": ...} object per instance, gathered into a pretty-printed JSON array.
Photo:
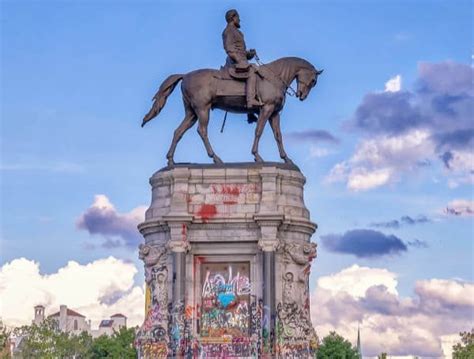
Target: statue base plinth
[{"x": 227, "y": 259}]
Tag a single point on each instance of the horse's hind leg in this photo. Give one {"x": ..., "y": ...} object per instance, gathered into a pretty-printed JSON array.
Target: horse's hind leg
[
  {"x": 203, "y": 115},
  {"x": 189, "y": 120}
]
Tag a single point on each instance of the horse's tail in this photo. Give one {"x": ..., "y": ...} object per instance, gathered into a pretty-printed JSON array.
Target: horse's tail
[{"x": 165, "y": 90}]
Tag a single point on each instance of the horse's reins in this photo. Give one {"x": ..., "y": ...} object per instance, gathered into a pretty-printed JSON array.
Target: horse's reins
[
  {"x": 290, "y": 91},
  {"x": 287, "y": 86}
]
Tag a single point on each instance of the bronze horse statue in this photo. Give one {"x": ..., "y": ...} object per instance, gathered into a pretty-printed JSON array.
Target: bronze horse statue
[{"x": 207, "y": 89}]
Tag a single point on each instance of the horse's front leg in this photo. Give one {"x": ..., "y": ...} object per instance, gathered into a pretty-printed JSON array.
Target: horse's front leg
[
  {"x": 265, "y": 113},
  {"x": 275, "y": 124}
]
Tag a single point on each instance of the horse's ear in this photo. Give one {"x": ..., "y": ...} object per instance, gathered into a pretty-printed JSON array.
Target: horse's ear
[{"x": 319, "y": 72}]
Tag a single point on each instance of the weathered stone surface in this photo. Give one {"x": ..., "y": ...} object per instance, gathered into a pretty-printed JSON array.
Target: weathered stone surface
[{"x": 235, "y": 242}]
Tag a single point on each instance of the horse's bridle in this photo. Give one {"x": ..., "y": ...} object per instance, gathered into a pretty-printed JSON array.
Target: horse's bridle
[{"x": 287, "y": 86}]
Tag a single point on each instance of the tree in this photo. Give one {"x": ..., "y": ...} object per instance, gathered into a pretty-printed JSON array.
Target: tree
[
  {"x": 382, "y": 356},
  {"x": 333, "y": 346},
  {"x": 119, "y": 345},
  {"x": 48, "y": 342},
  {"x": 464, "y": 349},
  {"x": 4, "y": 342}
]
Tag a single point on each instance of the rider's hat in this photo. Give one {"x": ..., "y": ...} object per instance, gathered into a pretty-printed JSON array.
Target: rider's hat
[{"x": 230, "y": 14}]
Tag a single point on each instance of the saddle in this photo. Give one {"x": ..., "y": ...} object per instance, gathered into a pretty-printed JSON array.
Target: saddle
[{"x": 232, "y": 81}]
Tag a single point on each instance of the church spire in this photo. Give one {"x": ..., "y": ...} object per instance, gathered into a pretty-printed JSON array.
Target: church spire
[{"x": 359, "y": 348}]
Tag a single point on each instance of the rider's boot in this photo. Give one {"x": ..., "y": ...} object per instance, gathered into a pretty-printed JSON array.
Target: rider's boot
[
  {"x": 252, "y": 101},
  {"x": 251, "y": 118}
]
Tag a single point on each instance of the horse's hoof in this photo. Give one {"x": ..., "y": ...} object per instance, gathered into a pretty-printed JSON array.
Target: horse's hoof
[
  {"x": 217, "y": 160},
  {"x": 258, "y": 159},
  {"x": 288, "y": 161},
  {"x": 170, "y": 162}
]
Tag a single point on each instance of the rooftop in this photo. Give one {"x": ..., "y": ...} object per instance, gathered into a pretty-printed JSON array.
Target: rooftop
[
  {"x": 70, "y": 313},
  {"x": 106, "y": 323},
  {"x": 118, "y": 315}
]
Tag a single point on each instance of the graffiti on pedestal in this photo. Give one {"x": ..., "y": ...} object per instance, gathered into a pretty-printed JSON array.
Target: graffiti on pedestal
[
  {"x": 226, "y": 310},
  {"x": 222, "y": 200},
  {"x": 182, "y": 342},
  {"x": 152, "y": 337},
  {"x": 295, "y": 335},
  {"x": 225, "y": 300}
]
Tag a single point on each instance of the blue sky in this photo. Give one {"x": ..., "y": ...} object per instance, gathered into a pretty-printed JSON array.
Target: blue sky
[{"x": 78, "y": 76}]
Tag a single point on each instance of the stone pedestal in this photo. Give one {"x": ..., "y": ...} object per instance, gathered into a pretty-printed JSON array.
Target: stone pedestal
[{"x": 227, "y": 258}]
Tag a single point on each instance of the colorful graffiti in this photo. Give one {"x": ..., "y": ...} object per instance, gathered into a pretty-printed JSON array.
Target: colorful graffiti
[
  {"x": 154, "y": 350},
  {"x": 295, "y": 335},
  {"x": 180, "y": 330},
  {"x": 228, "y": 320},
  {"x": 152, "y": 337},
  {"x": 225, "y": 300}
]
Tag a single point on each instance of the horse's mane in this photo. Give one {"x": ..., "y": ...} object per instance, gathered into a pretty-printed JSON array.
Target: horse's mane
[
  {"x": 291, "y": 59},
  {"x": 286, "y": 67}
]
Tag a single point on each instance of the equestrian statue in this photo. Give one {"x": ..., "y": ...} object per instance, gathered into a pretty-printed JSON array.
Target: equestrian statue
[{"x": 238, "y": 87}]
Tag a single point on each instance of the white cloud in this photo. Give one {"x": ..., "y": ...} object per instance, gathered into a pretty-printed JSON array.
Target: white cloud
[
  {"x": 446, "y": 292},
  {"x": 394, "y": 84},
  {"x": 355, "y": 280},
  {"x": 461, "y": 168},
  {"x": 362, "y": 179},
  {"x": 380, "y": 160},
  {"x": 460, "y": 207},
  {"x": 422, "y": 325},
  {"x": 97, "y": 290}
]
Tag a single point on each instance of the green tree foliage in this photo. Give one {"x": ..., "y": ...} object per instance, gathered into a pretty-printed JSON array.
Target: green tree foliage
[
  {"x": 333, "y": 346},
  {"x": 465, "y": 348},
  {"x": 46, "y": 341},
  {"x": 4, "y": 342},
  {"x": 119, "y": 345}
]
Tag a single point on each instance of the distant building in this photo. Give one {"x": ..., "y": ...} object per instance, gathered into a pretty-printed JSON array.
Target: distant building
[
  {"x": 39, "y": 315},
  {"x": 73, "y": 322},
  {"x": 108, "y": 326},
  {"x": 70, "y": 321}
]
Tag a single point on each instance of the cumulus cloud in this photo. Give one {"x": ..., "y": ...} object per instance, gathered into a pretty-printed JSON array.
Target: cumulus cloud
[
  {"x": 460, "y": 207},
  {"x": 380, "y": 160},
  {"x": 101, "y": 218},
  {"x": 419, "y": 325},
  {"x": 364, "y": 243},
  {"x": 97, "y": 290},
  {"x": 312, "y": 135},
  {"x": 404, "y": 220},
  {"x": 430, "y": 124},
  {"x": 355, "y": 281},
  {"x": 394, "y": 84}
]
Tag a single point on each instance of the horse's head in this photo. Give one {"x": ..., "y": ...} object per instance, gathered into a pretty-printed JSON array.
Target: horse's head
[{"x": 306, "y": 79}]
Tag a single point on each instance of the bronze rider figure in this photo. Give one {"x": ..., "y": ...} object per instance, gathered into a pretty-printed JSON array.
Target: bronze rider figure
[{"x": 238, "y": 56}]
